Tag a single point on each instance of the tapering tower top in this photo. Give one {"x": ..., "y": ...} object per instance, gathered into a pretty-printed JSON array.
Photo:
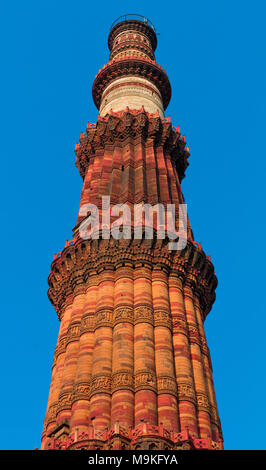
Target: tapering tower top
[
  {"x": 132, "y": 78},
  {"x": 145, "y": 41}
]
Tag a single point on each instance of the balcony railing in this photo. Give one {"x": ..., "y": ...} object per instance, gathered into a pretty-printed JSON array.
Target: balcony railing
[{"x": 129, "y": 17}]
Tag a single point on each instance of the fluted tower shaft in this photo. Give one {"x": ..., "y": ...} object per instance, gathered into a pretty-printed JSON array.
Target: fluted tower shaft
[{"x": 131, "y": 367}]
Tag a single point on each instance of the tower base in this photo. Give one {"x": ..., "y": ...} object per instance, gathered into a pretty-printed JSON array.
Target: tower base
[{"x": 143, "y": 437}]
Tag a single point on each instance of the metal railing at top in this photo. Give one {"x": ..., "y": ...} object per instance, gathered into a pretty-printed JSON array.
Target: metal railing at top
[{"x": 141, "y": 18}]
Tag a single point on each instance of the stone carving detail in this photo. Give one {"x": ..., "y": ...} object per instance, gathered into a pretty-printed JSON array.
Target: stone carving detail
[
  {"x": 193, "y": 334},
  {"x": 203, "y": 402},
  {"x": 123, "y": 315},
  {"x": 73, "y": 332},
  {"x": 186, "y": 392},
  {"x": 104, "y": 318},
  {"x": 51, "y": 415},
  {"x": 78, "y": 285},
  {"x": 60, "y": 286},
  {"x": 64, "y": 401},
  {"x": 61, "y": 346},
  {"x": 87, "y": 324},
  {"x": 122, "y": 380},
  {"x": 81, "y": 391},
  {"x": 179, "y": 326},
  {"x": 214, "y": 415},
  {"x": 100, "y": 384},
  {"x": 166, "y": 385},
  {"x": 162, "y": 318},
  {"x": 142, "y": 437},
  {"x": 144, "y": 380},
  {"x": 143, "y": 314}
]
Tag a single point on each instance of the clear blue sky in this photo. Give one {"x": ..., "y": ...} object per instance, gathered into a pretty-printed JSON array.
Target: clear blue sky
[{"x": 214, "y": 54}]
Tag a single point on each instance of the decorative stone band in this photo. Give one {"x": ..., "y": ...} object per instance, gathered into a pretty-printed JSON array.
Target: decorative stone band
[
  {"x": 214, "y": 416},
  {"x": 81, "y": 391},
  {"x": 144, "y": 380},
  {"x": 203, "y": 402},
  {"x": 122, "y": 380},
  {"x": 64, "y": 401},
  {"x": 194, "y": 334},
  {"x": 130, "y": 81},
  {"x": 186, "y": 392},
  {"x": 131, "y": 40},
  {"x": 131, "y": 66},
  {"x": 61, "y": 346},
  {"x": 143, "y": 314},
  {"x": 134, "y": 92},
  {"x": 132, "y": 49},
  {"x": 131, "y": 439},
  {"x": 103, "y": 318},
  {"x": 100, "y": 384},
  {"x": 123, "y": 314},
  {"x": 87, "y": 324},
  {"x": 51, "y": 415},
  {"x": 166, "y": 385},
  {"x": 179, "y": 325},
  {"x": 73, "y": 333},
  {"x": 134, "y": 26},
  {"x": 162, "y": 318},
  {"x": 92, "y": 254}
]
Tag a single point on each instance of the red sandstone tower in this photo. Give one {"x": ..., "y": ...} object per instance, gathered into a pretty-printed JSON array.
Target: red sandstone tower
[{"x": 132, "y": 368}]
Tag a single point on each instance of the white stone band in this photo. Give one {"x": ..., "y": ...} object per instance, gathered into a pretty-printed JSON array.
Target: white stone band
[{"x": 133, "y": 92}]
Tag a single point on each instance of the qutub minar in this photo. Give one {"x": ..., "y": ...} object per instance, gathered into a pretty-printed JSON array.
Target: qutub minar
[{"x": 132, "y": 369}]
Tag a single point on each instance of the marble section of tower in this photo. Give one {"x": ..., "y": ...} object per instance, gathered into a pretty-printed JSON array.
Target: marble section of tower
[{"x": 132, "y": 369}]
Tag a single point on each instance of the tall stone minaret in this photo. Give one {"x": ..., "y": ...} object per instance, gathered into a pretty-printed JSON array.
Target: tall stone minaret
[{"x": 132, "y": 368}]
